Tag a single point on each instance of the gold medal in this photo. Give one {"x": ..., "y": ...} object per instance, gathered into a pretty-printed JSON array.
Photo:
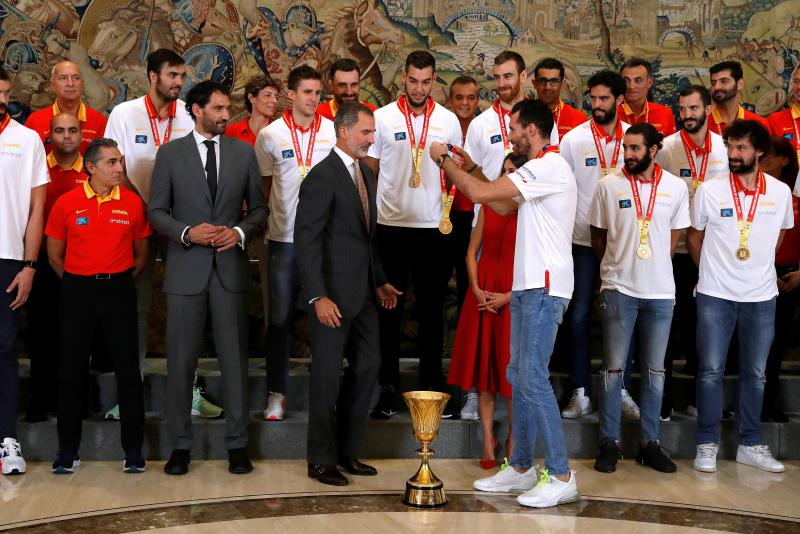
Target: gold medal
[
  {"x": 445, "y": 226},
  {"x": 415, "y": 180},
  {"x": 743, "y": 253},
  {"x": 605, "y": 172},
  {"x": 643, "y": 252}
]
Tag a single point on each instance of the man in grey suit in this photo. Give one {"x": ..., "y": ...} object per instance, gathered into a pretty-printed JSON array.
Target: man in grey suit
[
  {"x": 342, "y": 279},
  {"x": 199, "y": 185}
]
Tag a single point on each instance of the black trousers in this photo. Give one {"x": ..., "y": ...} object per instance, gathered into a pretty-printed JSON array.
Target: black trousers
[
  {"x": 422, "y": 255},
  {"x": 684, "y": 326},
  {"x": 99, "y": 307},
  {"x": 43, "y": 333},
  {"x": 459, "y": 243},
  {"x": 9, "y": 365},
  {"x": 785, "y": 308},
  {"x": 338, "y": 406}
]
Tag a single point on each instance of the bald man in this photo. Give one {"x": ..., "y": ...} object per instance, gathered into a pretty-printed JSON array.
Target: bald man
[
  {"x": 67, "y": 84},
  {"x": 65, "y": 165}
]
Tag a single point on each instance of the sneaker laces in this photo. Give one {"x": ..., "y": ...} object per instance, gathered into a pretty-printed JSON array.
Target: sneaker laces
[
  {"x": 504, "y": 465},
  {"x": 544, "y": 478},
  {"x": 12, "y": 448},
  {"x": 762, "y": 452},
  {"x": 707, "y": 450}
]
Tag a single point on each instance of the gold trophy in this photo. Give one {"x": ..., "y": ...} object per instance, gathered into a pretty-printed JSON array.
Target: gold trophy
[{"x": 424, "y": 489}]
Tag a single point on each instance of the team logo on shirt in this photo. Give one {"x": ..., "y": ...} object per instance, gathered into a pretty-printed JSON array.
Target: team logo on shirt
[
  {"x": 788, "y": 136},
  {"x": 625, "y": 203},
  {"x": 526, "y": 175},
  {"x": 82, "y": 221},
  {"x": 399, "y": 136},
  {"x": 140, "y": 139},
  {"x": 495, "y": 139},
  {"x": 726, "y": 212},
  {"x": 591, "y": 162},
  {"x": 686, "y": 173},
  {"x": 286, "y": 154}
]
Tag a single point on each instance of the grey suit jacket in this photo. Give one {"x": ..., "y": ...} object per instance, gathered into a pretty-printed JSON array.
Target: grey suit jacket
[
  {"x": 336, "y": 256},
  {"x": 180, "y": 197}
]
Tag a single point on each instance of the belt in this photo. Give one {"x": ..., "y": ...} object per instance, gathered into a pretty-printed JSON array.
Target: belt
[{"x": 101, "y": 276}]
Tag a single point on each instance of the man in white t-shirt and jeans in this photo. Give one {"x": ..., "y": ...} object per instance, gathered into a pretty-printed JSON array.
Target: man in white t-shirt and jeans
[
  {"x": 545, "y": 195},
  {"x": 636, "y": 218},
  {"x": 737, "y": 225},
  {"x": 23, "y": 184}
]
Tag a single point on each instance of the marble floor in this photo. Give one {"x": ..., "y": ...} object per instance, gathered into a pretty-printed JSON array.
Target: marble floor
[{"x": 99, "y": 498}]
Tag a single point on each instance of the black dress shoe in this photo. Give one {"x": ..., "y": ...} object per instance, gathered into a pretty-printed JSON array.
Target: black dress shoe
[
  {"x": 238, "y": 462},
  {"x": 327, "y": 474},
  {"x": 178, "y": 463},
  {"x": 354, "y": 467}
]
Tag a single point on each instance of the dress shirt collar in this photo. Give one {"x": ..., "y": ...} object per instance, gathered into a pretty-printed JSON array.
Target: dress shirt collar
[
  {"x": 200, "y": 139},
  {"x": 348, "y": 161}
]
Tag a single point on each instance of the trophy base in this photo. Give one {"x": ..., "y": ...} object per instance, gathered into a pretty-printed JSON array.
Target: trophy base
[{"x": 428, "y": 497}]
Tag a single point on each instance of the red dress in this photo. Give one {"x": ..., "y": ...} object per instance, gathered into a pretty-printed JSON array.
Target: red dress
[{"x": 482, "y": 350}]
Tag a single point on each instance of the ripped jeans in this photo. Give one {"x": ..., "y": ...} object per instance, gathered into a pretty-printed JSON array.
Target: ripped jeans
[{"x": 620, "y": 314}]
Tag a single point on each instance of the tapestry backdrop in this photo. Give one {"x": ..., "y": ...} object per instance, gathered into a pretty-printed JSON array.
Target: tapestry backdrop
[{"x": 232, "y": 41}]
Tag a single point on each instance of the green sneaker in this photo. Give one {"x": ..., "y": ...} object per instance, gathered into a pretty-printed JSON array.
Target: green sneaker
[
  {"x": 201, "y": 407},
  {"x": 113, "y": 413}
]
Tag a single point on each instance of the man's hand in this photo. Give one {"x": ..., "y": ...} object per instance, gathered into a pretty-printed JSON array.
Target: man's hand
[
  {"x": 226, "y": 239},
  {"x": 22, "y": 283},
  {"x": 204, "y": 233},
  {"x": 436, "y": 150},
  {"x": 463, "y": 159},
  {"x": 327, "y": 312},
  {"x": 387, "y": 296},
  {"x": 789, "y": 282}
]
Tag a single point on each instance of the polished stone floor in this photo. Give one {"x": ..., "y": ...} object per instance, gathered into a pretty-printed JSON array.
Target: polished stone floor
[{"x": 99, "y": 498}]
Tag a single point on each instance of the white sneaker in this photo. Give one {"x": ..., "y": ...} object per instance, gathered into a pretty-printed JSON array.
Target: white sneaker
[
  {"x": 630, "y": 410},
  {"x": 578, "y": 405},
  {"x": 550, "y": 492},
  {"x": 11, "y": 457},
  {"x": 507, "y": 480},
  {"x": 706, "y": 458},
  {"x": 470, "y": 410},
  {"x": 276, "y": 407},
  {"x": 760, "y": 457}
]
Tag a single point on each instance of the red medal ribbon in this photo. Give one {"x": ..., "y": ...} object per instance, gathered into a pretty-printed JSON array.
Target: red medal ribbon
[
  {"x": 690, "y": 148},
  {"x": 4, "y": 123},
  {"x": 304, "y": 166},
  {"x": 501, "y": 113},
  {"x": 416, "y": 150},
  {"x": 557, "y": 111},
  {"x": 597, "y": 133},
  {"x": 546, "y": 149},
  {"x": 152, "y": 114},
  {"x": 644, "y": 219},
  {"x": 736, "y": 188}
]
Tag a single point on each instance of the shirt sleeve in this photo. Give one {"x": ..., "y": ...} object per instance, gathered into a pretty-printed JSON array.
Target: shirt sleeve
[
  {"x": 680, "y": 217},
  {"x": 141, "y": 228},
  {"x": 597, "y": 211},
  {"x": 266, "y": 161},
  {"x": 797, "y": 185},
  {"x": 56, "y": 225},
  {"x": 40, "y": 175},
  {"x": 554, "y": 135},
  {"x": 788, "y": 216},
  {"x": 455, "y": 134},
  {"x": 115, "y": 129},
  {"x": 375, "y": 148},
  {"x": 698, "y": 216},
  {"x": 535, "y": 182},
  {"x": 472, "y": 144},
  {"x": 565, "y": 149}
]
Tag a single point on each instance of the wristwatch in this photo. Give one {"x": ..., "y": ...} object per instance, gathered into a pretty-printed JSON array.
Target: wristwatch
[
  {"x": 187, "y": 242},
  {"x": 440, "y": 160},
  {"x": 31, "y": 264}
]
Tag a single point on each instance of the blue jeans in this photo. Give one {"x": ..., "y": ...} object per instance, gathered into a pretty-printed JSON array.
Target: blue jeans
[
  {"x": 620, "y": 314},
  {"x": 587, "y": 270},
  {"x": 535, "y": 317},
  {"x": 284, "y": 286},
  {"x": 716, "y": 320}
]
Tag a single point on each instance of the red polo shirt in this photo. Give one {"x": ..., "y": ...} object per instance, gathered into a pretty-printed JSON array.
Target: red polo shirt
[
  {"x": 789, "y": 251},
  {"x": 61, "y": 181},
  {"x": 241, "y": 130},
  {"x": 716, "y": 125},
  {"x": 99, "y": 232},
  {"x": 567, "y": 118},
  {"x": 661, "y": 117},
  {"x": 328, "y": 109},
  {"x": 786, "y": 123},
  {"x": 93, "y": 124}
]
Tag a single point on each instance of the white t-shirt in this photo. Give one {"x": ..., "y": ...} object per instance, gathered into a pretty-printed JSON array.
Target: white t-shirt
[
  {"x": 543, "y": 249},
  {"x": 276, "y": 158},
  {"x": 129, "y": 125},
  {"x": 23, "y": 166},
  {"x": 672, "y": 158},
  {"x": 578, "y": 148},
  {"x": 722, "y": 275},
  {"x": 399, "y": 204},
  {"x": 614, "y": 209},
  {"x": 797, "y": 185}
]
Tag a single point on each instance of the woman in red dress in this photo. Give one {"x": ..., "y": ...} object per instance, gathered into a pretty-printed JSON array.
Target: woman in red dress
[{"x": 481, "y": 350}]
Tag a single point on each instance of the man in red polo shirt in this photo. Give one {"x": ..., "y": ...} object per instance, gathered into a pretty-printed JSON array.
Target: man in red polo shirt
[
  {"x": 67, "y": 85},
  {"x": 548, "y": 78},
  {"x": 261, "y": 101},
  {"x": 727, "y": 83},
  {"x": 66, "y": 172},
  {"x": 344, "y": 76},
  {"x": 97, "y": 242},
  {"x": 786, "y": 122},
  {"x": 635, "y": 109}
]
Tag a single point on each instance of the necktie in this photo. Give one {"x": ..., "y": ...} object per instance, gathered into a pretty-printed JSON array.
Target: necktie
[
  {"x": 211, "y": 169},
  {"x": 362, "y": 192}
]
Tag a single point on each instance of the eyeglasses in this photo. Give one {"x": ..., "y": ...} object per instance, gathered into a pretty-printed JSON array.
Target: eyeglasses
[{"x": 552, "y": 82}]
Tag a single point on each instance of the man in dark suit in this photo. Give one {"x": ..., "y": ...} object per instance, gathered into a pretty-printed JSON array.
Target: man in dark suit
[
  {"x": 199, "y": 184},
  {"x": 342, "y": 279}
]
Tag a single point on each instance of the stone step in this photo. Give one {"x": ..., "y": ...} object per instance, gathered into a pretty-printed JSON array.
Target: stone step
[
  {"x": 103, "y": 386},
  {"x": 385, "y": 439}
]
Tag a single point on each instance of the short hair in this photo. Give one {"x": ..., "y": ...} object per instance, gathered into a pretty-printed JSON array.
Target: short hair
[
  {"x": 637, "y": 62},
  {"x": 463, "y": 80},
  {"x": 298, "y": 74},
  {"x": 347, "y": 116},
  {"x": 610, "y": 79},
  {"x": 518, "y": 160},
  {"x": 4, "y": 75},
  {"x": 255, "y": 86},
  {"x": 652, "y": 137},
  {"x": 506, "y": 56},
  {"x": 201, "y": 93},
  {"x": 782, "y": 147},
  {"x": 537, "y": 113},
  {"x": 92, "y": 154},
  {"x": 344, "y": 64},
  {"x": 748, "y": 129},
  {"x": 157, "y": 59},
  {"x": 705, "y": 94},
  {"x": 549, "y": 63},
  {"x": 420, "y": 59},
  {"x": 734, "y": 67}
]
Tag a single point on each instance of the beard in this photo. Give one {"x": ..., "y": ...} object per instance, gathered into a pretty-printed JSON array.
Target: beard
[
  {"x": 521, "y": 147},
  {"x": 739, "y": 166},
  {"x": 165, "y": 95},
  {"x": 608, "y": 118},
  {"x": 214, "y": 127},
  {"x": 3, "y": 111},
  {"x": 699, "y": 123},
  {"x": 638, "y": 166},
  {"x": 726, "y": 95}
]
